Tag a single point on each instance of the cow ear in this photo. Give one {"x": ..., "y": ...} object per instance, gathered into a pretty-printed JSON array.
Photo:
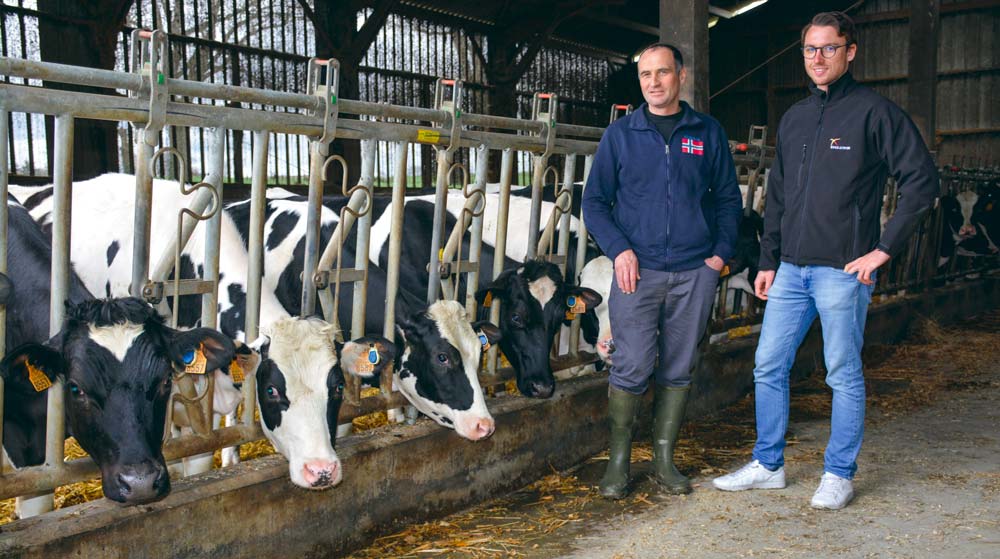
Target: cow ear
[
  {"x": 588, "y": 297},
  {"x": 367, "y": 356},
  {"x": 218, "y": 350},
  {"x": 32, "y": 367},
  {"x": 489, "y": 330}
]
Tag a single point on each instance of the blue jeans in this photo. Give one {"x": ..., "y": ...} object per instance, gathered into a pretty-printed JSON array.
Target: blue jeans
[{"x": 797, "y": 295}]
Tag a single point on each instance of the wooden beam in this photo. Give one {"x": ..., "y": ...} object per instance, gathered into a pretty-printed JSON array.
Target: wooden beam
[{"x": 925, "y": 24}]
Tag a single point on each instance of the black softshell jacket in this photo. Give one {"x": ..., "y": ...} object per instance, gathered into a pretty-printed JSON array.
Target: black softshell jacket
[{"x": 824, "y": 194}]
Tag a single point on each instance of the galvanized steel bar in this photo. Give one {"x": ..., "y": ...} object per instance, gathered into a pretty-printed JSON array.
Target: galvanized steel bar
[
  {"x": 104, "y": 107},
  {"x": 395, "y": 239},
  {"x": 141, "y": 216},
  {"x": 317, "y": 157},
  {"x": 363, "y": 243},
  {"x": 569, "y": 173},
  {"x": 4, "y": 175},
  {"x": 215, "y": 168},
  {"x": 440, "y": 211},
  {"x": 581, "y": 257},
  {"x": 535, "y": 213},
  {"x": 255, "y": 266},
  {"x": 500, "y": 246},
  {"x": 476, "y": 231}
]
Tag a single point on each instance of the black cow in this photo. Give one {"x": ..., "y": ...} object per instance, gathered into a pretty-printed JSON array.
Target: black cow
[{"x": 116, "y": 358}]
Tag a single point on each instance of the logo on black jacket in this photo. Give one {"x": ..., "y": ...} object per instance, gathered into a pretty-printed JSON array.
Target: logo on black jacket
[{"x": 835, "y": 144}]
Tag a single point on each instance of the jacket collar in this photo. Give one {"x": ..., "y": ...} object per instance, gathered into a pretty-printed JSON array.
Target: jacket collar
[
  {"x": 639, "y": 120},
  {"x": 837, "y": 90}
]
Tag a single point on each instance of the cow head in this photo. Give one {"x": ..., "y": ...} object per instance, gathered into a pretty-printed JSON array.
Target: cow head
[
  {"x": 439, "y": 368},
  {"x": 533, "y": 301},
  {"x": 300, "y": 387},
  {"x": 596, "y": 324},
  {"x": 117, "y": 359}
]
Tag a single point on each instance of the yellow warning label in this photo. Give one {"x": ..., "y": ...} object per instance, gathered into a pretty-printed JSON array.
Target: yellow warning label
[
  {"x": 428, "y": 136},
  {"x": 38, "y": 379}
]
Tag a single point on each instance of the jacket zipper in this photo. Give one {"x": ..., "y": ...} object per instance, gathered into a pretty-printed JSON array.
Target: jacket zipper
[
  {"x": 666, "y": 240},
  {"x": 805, "y": 185}
]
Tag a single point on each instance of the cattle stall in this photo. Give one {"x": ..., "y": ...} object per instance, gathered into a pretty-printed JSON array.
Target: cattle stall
[{"x": 151, "y": 108}]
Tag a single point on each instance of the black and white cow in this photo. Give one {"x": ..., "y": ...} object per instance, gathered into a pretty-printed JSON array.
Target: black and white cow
[
  {"x": 300, "y": 388},
  {"x": 116, "y": 358},
  {"x": 534, "y": 301},
  {"x": 439, "y": 365},
  {"x": 971, "y": 223}
]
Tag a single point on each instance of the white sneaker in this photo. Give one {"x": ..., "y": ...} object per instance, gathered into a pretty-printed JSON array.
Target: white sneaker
[
  {"x": 751, "y": 476},
  {"x": 834, "y": 492}
]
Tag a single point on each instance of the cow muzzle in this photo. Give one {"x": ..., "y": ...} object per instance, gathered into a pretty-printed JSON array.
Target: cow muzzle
[
  {"x": 475, "y": 428},
  {"x": 967, "y": 231},
  {"x": 134, "y": 484},
  {"x": 321, "y": 474}
]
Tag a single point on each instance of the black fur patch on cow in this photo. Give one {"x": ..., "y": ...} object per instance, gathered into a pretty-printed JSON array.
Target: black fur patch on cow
[
  {"x": 271, "y": 393},
  {"x": 112, "y": 251},
  {"x": 232, "y": 319},
  {"x": 189, "y": 311},
  {"x": 37, "y": 198},
  {"x": 281, "y": 227},
  {"x": 335, "y": 396},
  {"x": 107, "y": 289}
]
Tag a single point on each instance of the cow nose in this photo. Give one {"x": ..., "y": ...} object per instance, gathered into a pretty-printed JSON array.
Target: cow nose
[
  {"x": 482, "y": 429},
  {"x": 321, "y": 474},
  {"x": 967, "y": 231},
  {"x": 541, "y": 390},
  {"x": 141, "y": 483},
  {"x": 611, "y": 347}
]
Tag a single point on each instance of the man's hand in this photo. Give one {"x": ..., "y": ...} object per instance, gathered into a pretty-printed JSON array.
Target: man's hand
[
  {"x": 627, "y": 271},
  {"x": 715, "y": 263},
  {"x": 762, "y": 284},
  {"x": 867, "y": 264}
]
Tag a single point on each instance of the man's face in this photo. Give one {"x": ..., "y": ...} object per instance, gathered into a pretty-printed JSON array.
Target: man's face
[
  {"x": 824, "y": 71},
  {"x": 659, "y": 78}
]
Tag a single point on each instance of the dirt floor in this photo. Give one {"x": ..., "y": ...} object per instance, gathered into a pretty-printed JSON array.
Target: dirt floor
[{"x": 928, "y": 483}]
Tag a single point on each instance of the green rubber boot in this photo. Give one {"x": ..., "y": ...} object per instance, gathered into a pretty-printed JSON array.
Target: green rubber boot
[
  {"x": 668, "y": 414},
  {"x": 622, "y": 407}
]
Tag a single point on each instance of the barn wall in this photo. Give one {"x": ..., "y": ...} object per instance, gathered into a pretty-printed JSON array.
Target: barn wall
[
  {"x": 968, "y": 116},
  {"x": 415, "y": 473}
]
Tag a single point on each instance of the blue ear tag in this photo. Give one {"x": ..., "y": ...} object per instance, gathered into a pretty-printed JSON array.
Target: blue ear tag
[
  {"x": 484, "y": 341},
  {"x": 373, "y": 356},
  {"x": 188, "y": 357},
  {"x": 571, "y": 301}
]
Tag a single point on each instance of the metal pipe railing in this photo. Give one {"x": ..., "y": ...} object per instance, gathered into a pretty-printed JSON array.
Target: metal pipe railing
[{"x": 4, "y": 176}]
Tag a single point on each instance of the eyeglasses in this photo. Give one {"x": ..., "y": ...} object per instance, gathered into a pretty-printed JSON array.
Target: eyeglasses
[{"x": 829, "y": 51}]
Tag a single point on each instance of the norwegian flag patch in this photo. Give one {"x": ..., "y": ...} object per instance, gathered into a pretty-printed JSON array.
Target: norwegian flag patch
[{"x": 692, "y": 146}]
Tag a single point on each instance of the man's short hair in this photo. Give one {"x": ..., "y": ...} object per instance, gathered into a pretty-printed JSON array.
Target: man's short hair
[
  {"x": 678, "y": 58},
  {"x": 838, "y": 20}
]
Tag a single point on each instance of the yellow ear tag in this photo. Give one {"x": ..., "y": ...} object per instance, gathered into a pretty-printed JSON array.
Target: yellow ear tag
[
  {"x": 38, "y": 379},
  {"x": 725, "y": 271},
  {"x": 366, "y": 363},
  {"x": 236, "y": 371},
  {"x": 989, "y": 207},
  {"x": 576, "y": 304},
  {"x": 488, "y": 300},
  {"x": 570, "y": 315},
  {"x": 195, "y": 361}
]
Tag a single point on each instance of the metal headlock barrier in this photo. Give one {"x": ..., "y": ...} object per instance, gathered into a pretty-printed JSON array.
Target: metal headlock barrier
[{"x": 152, "y": 104}]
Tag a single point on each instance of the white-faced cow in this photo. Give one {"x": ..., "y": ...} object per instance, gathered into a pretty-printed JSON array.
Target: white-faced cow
[
  {"x": 300, "y": 388},
  {"x": 116, "y": 358},
  {"x": 971, "y": 223}
]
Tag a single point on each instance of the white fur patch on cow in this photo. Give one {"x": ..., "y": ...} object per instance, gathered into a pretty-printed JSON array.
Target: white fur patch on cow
[
  {"x": 117, "y": 338},
  {"x": 542, "y": 289},
  {"x": 453, "y": 324}
]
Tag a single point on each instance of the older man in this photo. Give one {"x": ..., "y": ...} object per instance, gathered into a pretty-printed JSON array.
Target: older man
[{"x": 663, "y": 203}]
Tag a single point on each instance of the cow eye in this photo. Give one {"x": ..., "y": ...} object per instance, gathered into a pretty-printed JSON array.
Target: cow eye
[
  {"x": 442, "y": 358},
  {"x": 272, "y": 392},
  {"x": 75, "y": 390},
  {"x": 516, "y": 319}
]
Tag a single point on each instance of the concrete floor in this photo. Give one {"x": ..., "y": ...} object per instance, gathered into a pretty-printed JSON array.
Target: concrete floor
[{"x": 928, "y": 483}]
